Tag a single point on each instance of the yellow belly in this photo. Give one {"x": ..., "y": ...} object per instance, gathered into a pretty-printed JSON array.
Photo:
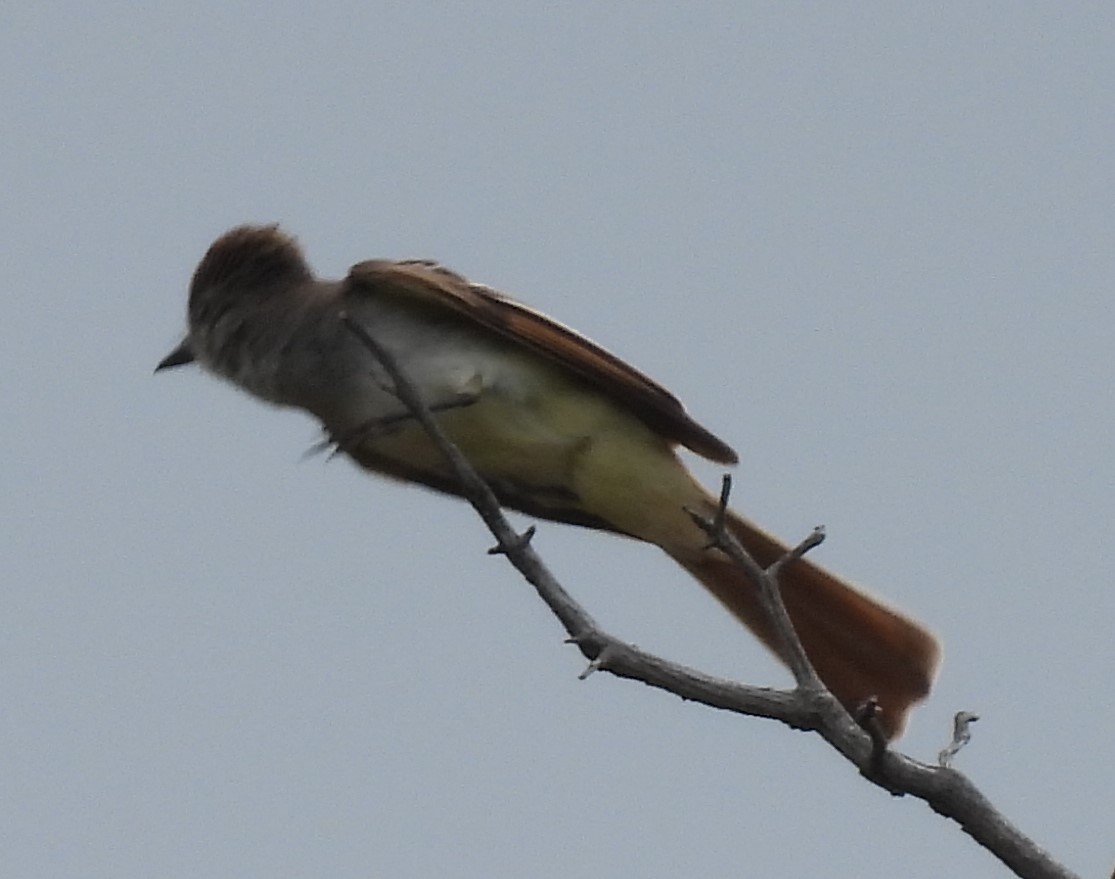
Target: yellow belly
[{"x": 567, "y": 447}]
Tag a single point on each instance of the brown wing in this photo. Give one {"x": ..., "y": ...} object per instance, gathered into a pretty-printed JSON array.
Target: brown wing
[{"x": 429, "y": 282}]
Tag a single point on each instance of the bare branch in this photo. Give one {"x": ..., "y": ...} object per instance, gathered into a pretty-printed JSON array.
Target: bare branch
[{"x": 808, "y": 707}]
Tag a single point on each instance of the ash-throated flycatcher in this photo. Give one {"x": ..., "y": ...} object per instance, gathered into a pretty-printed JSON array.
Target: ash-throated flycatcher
[{"x": 559, "y": 428}]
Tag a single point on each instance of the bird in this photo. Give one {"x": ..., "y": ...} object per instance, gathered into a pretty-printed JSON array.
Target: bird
[{"x": 558, "y": 427}]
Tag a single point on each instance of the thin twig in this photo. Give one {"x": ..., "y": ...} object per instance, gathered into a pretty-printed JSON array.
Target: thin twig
[
  {"x": 961, "y": 735},
  {"x": 509, "y": 542},
  {"x": 767, "y": 581}
]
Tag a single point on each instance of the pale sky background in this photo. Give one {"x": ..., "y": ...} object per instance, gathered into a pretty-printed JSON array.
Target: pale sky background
[{"x": 870, "y": 246}]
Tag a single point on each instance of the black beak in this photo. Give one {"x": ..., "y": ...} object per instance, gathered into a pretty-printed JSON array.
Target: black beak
[{"x": 180, "y": 356}]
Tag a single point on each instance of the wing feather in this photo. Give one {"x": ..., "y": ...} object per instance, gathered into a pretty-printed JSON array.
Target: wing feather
[{"x": 429, "y": 282}]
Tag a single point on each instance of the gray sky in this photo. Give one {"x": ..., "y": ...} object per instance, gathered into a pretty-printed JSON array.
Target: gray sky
[{"x": 871, "y": 247}]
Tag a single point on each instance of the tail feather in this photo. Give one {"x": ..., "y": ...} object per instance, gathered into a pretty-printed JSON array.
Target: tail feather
[{"x": 859, "y": 647}]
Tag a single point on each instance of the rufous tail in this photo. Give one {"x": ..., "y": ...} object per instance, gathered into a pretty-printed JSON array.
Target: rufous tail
[{"x": 859, "y": 647}]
